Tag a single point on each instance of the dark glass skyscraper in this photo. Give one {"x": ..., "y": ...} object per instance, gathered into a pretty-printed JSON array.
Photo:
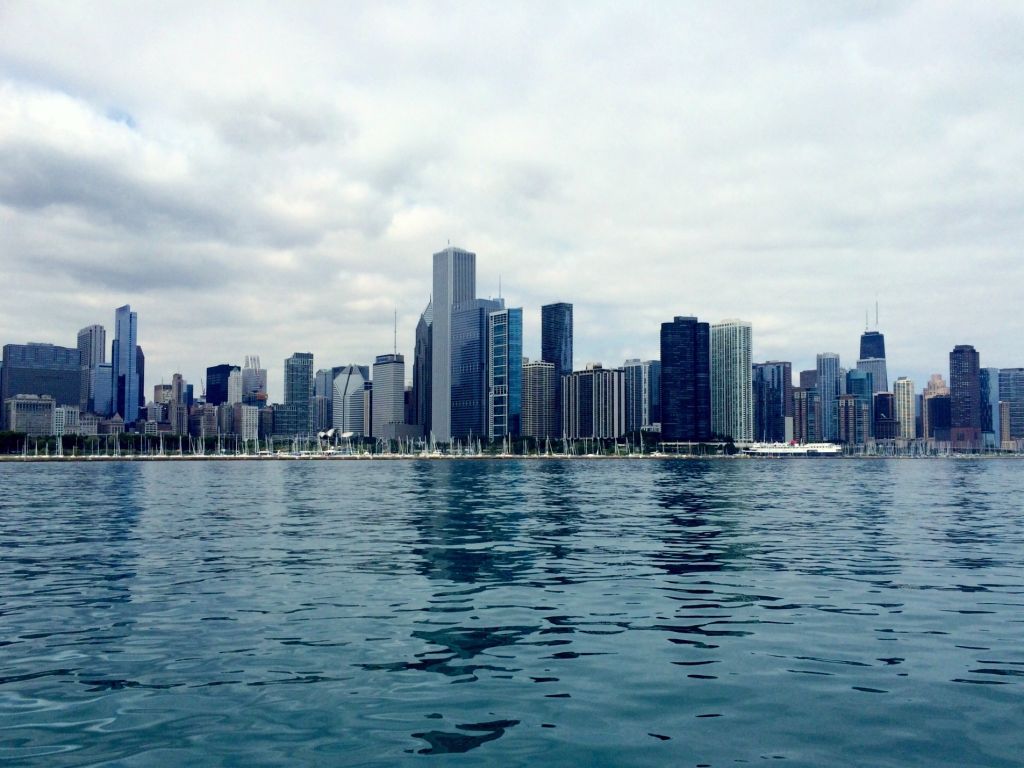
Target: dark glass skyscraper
[
  {"x": 556, "y": 347},
  {"x": 965, "y": 396},
  {"x": 1011, "y": 392},
  {"x": 872, "y": 345},
  {"x": 297, "y": 418},
  {"x": 773, "y": 400},
  {"x": 217, "y": 382},
  {"x": 685, "y": 380},
  {"x": 468, "y": 376},
  {"x": 421, "y": 370},
  {"x": 126, "y": 383}
]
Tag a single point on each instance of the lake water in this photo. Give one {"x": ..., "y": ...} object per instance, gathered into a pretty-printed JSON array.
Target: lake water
[{"x": 509, "y": 613}]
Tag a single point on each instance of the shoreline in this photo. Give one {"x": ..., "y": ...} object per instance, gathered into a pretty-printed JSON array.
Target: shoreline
[{"x": 443, "y": 457}]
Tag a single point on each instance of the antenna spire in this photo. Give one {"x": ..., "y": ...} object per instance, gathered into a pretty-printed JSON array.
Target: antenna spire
[
  {"x": 876, "y": 313},
  {"x": 396, "y": 330}
]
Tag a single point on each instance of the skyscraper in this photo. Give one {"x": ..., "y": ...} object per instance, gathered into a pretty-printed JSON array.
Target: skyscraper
[
  {"x": 295, "y": 417},
  {"x": 1011, "y": 392},
  {"x": 643, "y": 394},
  {"x": 421, "y": 370},
  {"x": 125, "y": 384},
  {"x": 539, "y": 384},
  {"x": 732, "y": 413},
  {"x": 468, "y": 379},
  {"x": 504, "y": 373},
  {"x": 965, "y": 397},
  {"x": 828, "y": 383},
  {"x": 872, "y": 359},
  {"x": 556, "y": 333},
  {"x": 42, "y": 369},
  {"x": 685, "y": 380},
  {"x": 388, "y": 395},
  {"x": 903, "y": 390},
  {"x": 254, "y": 382},
  {"x": 860, "y": 385},
  {"x": 594, "y": 403},
  {"x": 989, "y": 384},
  {"x": 773, "y": 401},
  {"x": 92, "y": 346},
  {"x": 454, "y": 284},
  {"x": 217, "y": 382},
  {"x": 936, "y": 387},
  {"x": 349, "y": 399},
  {"x": 886, "y": 426},
  {"x": 806, "y": 415}
]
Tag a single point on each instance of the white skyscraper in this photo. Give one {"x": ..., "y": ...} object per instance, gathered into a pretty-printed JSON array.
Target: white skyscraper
[
  {"x": 234, "y": 387},
  {"x": 732, "y": 411},
  {"x": 454, "y": 283},
  {"x": 903, "y": 390},
  {"x": 348, "y": 401},
  {"x": 388, "y": 394}
]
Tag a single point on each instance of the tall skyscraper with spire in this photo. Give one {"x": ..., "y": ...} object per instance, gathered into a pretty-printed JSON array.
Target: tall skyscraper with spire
[
  {"x": 872, "y": 356},
  {"x": 454, "y": 284}
]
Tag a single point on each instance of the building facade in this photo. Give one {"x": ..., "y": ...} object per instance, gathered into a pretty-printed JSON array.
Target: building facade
[
  {"x": 41, "y": 369},
  {"x": 556, "y": 347},
  {"x": 906, "y": 407},
  {"x": 539, "y": 384},
  {"x": 643, "y": 394},
  {"x": 349, "y": 414},
  {"x": 126, "y": 378},
  {"x": 593, "y": 403},
  {"x": 454, "y": 285},
  {"x": 772, "y": 384},
  {"x": 732, "y": 411},
  {"x": 504, "y": 373},
  {"x": 828, "y": 380},
  {"x": 467, "y": 411},
  {"x": 965, "y": 397},
  {"x": 421, "y": 370},
  {"x": 1011, "y": 392},
  {"x": 685, "y": 380},
  {"x": 388, "y": 407}
]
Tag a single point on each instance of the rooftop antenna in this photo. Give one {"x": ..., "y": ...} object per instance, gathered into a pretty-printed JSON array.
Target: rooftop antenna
[
  {"x": 499, "y": 285},
  {"x": 876, "y": 313},
  {"x": 396, "y": 330},
  {"x": 865, "y": 320}
]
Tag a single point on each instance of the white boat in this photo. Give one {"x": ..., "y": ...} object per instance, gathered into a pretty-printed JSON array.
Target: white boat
[{"x": 793, "y": 449}]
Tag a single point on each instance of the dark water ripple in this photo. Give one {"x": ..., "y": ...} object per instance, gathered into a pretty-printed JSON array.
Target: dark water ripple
[{"x": 512, "y": 613}]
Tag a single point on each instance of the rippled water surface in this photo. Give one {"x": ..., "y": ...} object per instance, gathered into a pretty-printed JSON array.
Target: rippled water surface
[{"x": 512, "y": 613}]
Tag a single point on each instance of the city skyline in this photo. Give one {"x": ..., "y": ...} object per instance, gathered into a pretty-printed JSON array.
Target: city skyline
[{"x": 647, "y": 164}]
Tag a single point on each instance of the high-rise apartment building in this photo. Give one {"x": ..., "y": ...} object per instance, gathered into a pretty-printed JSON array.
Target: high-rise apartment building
[
  {"x": 773, "y": 401},
  {"x": 295, "y": 416},
  {"x": 504, "y": 373},
  {"x": 886, "y": 425},
  {"x": 732, "y": 412},
  {"x": 828, "y": 383},
  {"x": 643, "y": 394},
  {"x": 860, "y": 385},
  {"x": 127, "y": 380},
  {"x": 806, "y": 415},
  {"x": 1011, "y": 392},
  {"x": 388, "y": 403},
  {"x": 685, "y": 380},
  {"x": 454, "y": 285},
  {"x": 903, "y": 390},
  {"x": 965, "y": 397},
  {"x": 988, "y": 380},
  {"x": 539, "y": 384},
  {"x": 92, "y": 347},
  {"x": 594, "y": 403},
  {"x": 556, "y": 335}
]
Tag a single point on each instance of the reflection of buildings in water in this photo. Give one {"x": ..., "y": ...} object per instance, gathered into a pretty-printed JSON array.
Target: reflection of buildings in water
[
  {"x": 468, "y": 516},
  {"x": 696, "y": 537}
]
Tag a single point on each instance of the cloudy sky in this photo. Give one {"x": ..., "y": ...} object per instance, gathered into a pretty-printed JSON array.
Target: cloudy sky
[{"x": 270, "y": 178}]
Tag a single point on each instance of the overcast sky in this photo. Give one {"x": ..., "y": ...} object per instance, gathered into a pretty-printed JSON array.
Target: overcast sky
[{"x": 270, "y": 178}]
